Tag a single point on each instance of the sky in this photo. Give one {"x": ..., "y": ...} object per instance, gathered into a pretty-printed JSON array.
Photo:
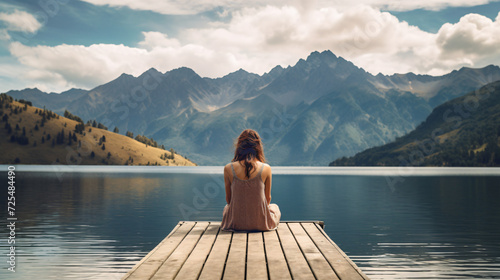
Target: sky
[{"x": 56, "y": 45}]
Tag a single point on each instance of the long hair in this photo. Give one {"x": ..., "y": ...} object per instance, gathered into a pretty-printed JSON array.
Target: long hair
[{"x": 248, "y": 148}]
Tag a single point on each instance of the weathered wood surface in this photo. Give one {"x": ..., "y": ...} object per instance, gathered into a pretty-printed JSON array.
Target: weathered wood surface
[{"x": 200, "y": 250}]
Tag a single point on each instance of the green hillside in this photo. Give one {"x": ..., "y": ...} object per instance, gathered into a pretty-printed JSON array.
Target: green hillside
[
  {"x": 31, "y": 135},
  {"x": 461, "y": 132}
]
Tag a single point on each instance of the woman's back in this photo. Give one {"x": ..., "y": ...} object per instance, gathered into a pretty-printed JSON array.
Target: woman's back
[
  {"x": 239, "y": 170},
  {"x": 248, "y": 207}
]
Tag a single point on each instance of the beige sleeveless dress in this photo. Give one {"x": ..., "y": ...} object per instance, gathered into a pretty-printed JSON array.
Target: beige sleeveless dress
[{"x": 248, "y": 209}]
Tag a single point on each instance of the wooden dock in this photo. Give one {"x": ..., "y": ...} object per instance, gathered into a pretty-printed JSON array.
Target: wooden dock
[{"x": 200, "y": 250}]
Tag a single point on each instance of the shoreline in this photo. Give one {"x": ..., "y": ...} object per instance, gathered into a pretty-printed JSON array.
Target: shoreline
[{"x": 401, "y": 171}]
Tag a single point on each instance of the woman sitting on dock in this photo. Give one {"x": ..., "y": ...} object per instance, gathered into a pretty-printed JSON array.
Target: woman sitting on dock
[{"x": 248, "y": 188}]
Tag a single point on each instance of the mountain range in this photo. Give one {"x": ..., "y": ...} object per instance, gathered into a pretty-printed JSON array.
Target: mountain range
[
  {"x": 464, "y": 131},
  {"x": 322, "y": 108}
]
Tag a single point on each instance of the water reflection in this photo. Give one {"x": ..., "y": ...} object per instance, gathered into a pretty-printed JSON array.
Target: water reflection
[{"x": 98, "y": 225}]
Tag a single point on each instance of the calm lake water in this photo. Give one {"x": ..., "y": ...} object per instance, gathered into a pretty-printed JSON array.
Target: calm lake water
[{"x": 97, "y": 222}]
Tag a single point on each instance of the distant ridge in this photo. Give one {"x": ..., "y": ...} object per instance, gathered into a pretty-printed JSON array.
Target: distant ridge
[
  {"x": 322, "y": 107},
  {"x": 464, "y": 131}
]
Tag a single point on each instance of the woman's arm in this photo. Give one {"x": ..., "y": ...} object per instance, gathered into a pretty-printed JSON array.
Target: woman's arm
[
  {"x": 227, "y": 182},
  {"x": 268, "y": 182}
]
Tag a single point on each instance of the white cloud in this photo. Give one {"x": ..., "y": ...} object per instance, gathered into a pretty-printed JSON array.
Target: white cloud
[
  {"x": 10, "y": 72},
  {"x": 257, "y": 39},
  {"x": 20, "y": 21},
  {"x": 66, "y": 66},
  {"x": 272, "y": 35},
  {"x": 473, "y": 37},
  {"x": 183, "y": 7},
  {"x": 158, "y": 40},
  {"x": 408, "y": 5},
  {"x": 175, "y": 7}
]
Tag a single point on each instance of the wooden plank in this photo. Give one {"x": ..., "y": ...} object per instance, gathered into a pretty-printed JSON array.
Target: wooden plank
[
  {"x": 276, "y": 262},
  {"x": 256, "y": 258},
  {"x": 235, "y": 265},
  {"x": 137, "y": 265},
  {"x": 341, "y": 263},
  {"x": 193, "y": 265},
  {"x": 337, "y": 261},
  {"x": 296, "y": 250},
  {"x": 320, "y": 223},
  {"x": 319, "y": 265},
  {"x": 214, "y": 265},
  {"x": 152, "y": 261},
  {"x": 297, "y": 263},
  {"x": 172, "y": 265}
]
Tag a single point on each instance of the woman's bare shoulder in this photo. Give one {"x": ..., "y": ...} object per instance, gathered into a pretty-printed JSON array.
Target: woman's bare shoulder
[
  {"x": 267, "y": 167},
  {"x": 227, "y": 167}
]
